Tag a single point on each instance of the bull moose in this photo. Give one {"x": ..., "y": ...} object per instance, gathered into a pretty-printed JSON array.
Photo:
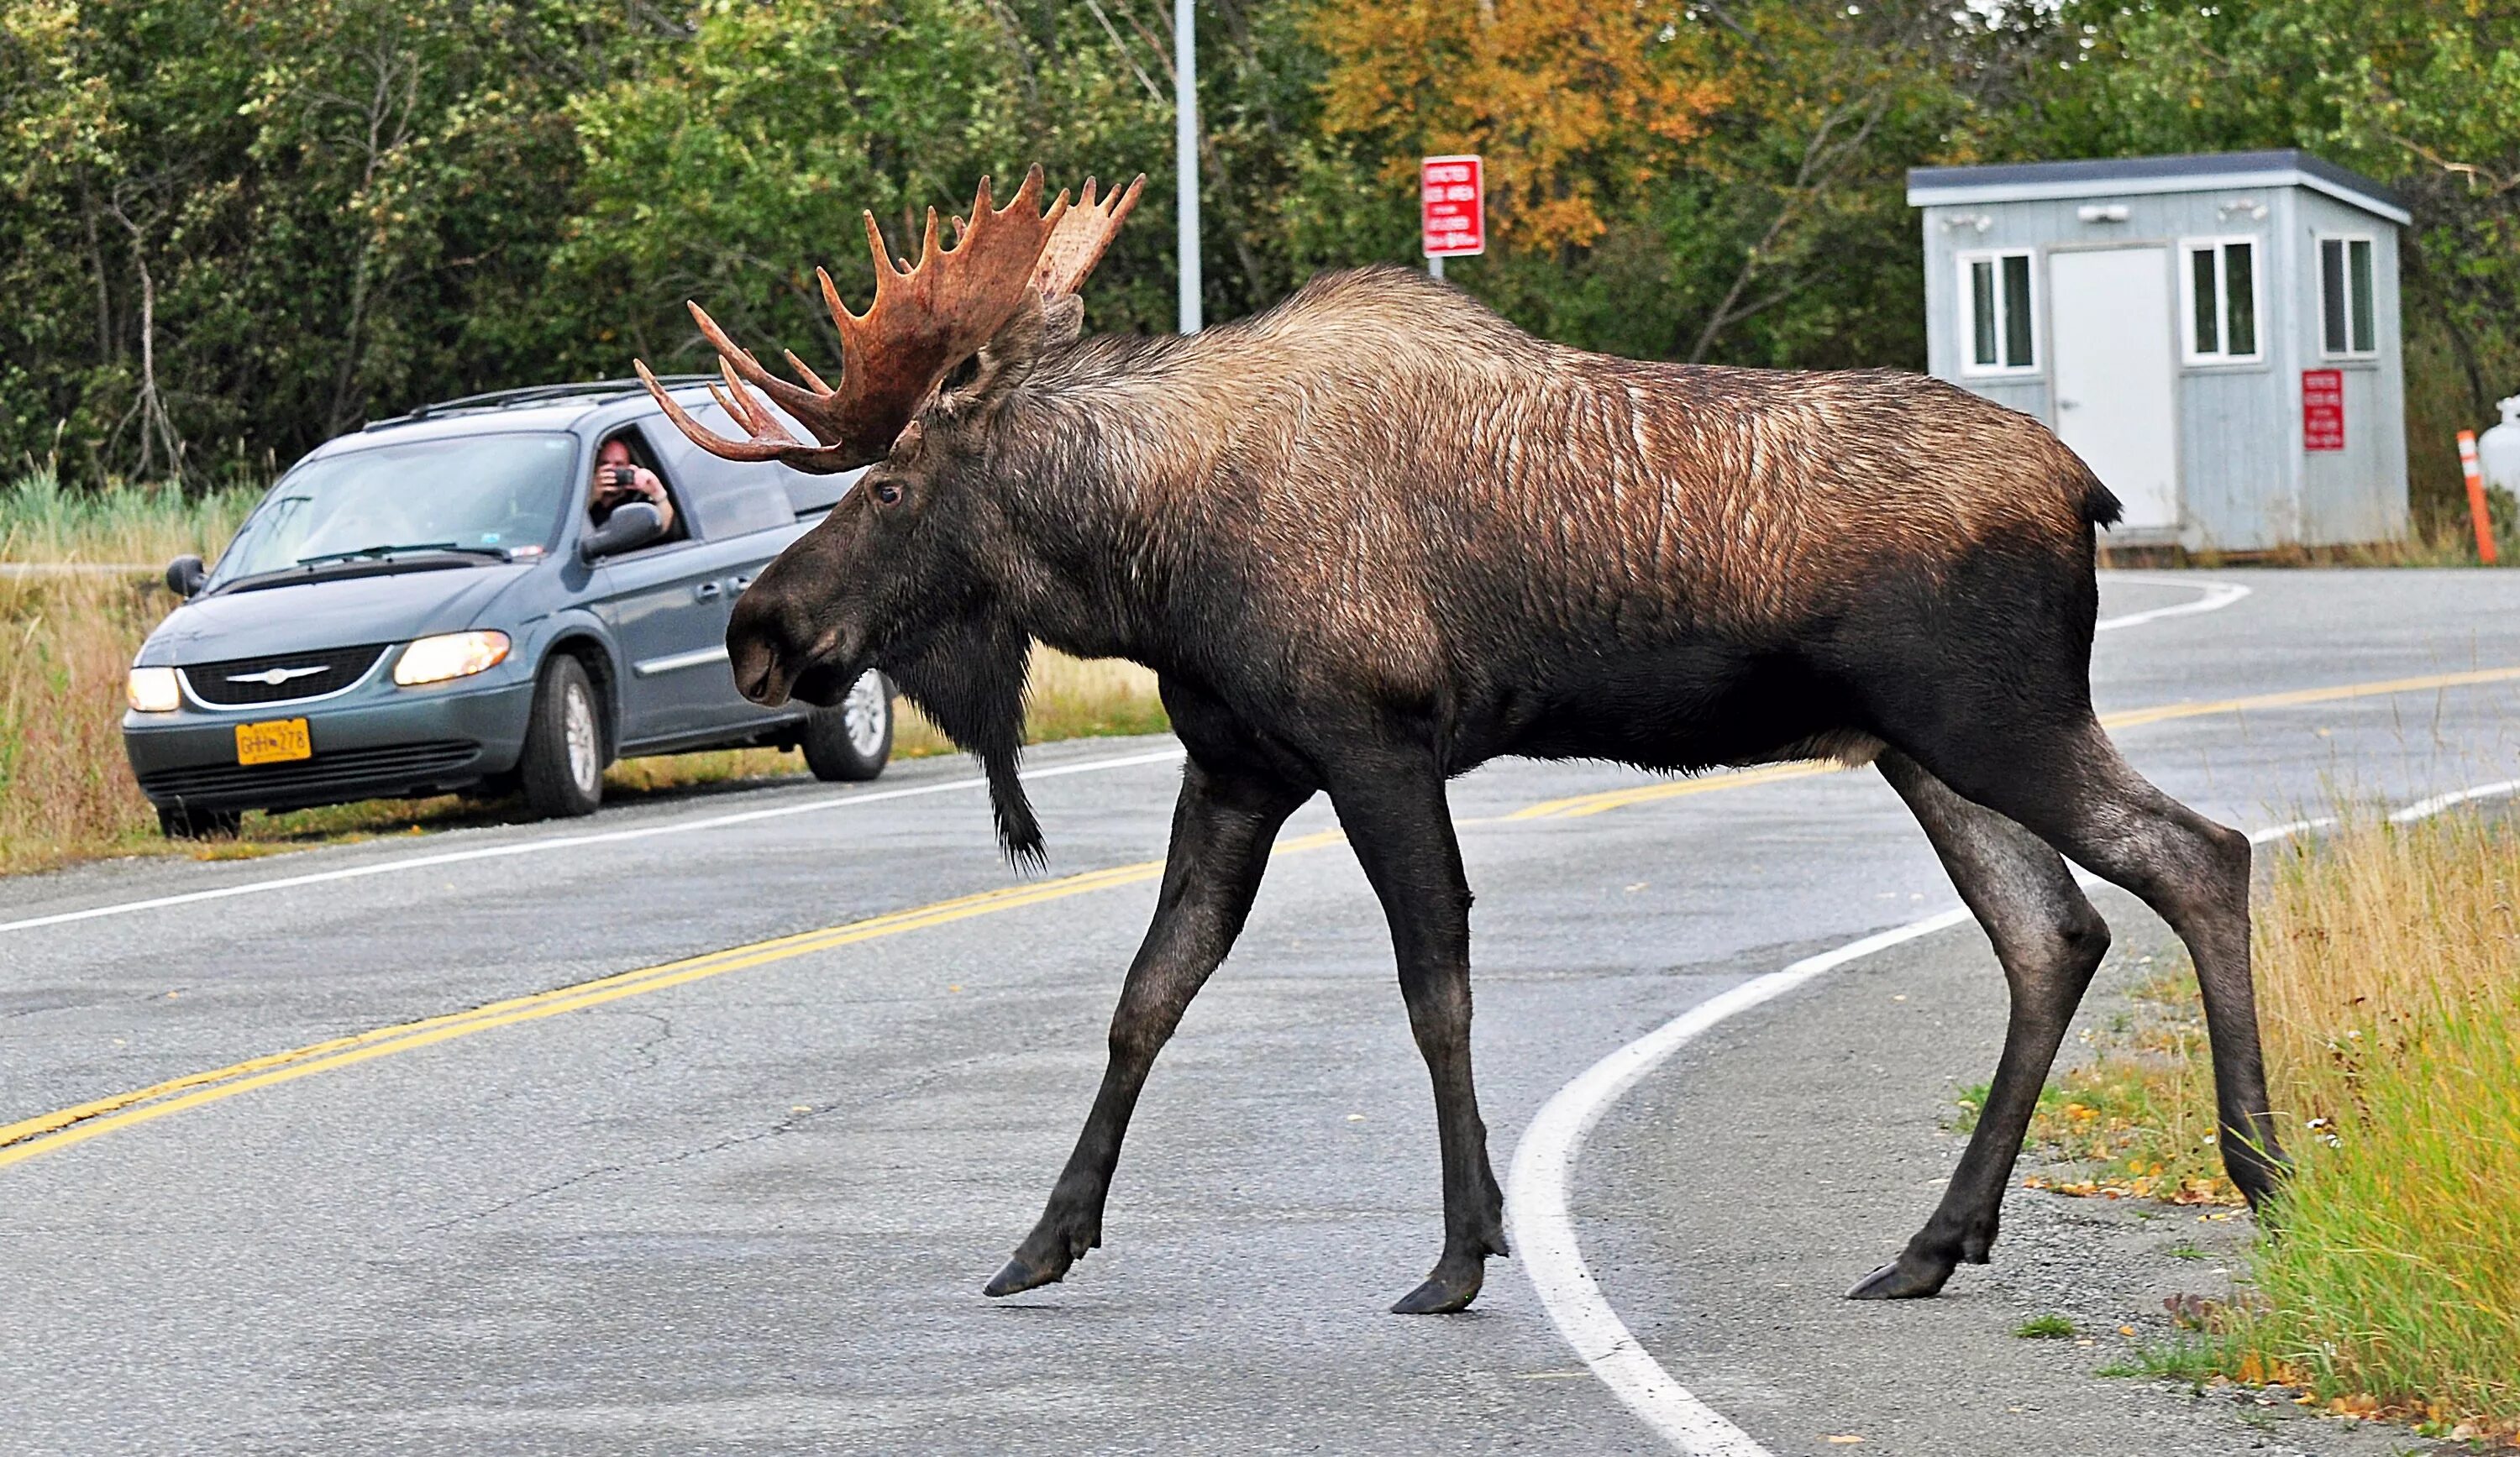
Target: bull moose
[{"x": 1376, "y": 536}]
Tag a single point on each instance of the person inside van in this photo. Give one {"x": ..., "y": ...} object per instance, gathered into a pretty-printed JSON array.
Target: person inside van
[{"x": 620, "y": 479}]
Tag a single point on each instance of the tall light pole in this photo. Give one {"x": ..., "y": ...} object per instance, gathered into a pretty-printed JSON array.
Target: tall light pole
[{"x": 1186, "y": 144}]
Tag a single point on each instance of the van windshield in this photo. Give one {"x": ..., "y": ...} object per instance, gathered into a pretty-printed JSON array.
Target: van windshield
[{"x": 505, "y": 494}]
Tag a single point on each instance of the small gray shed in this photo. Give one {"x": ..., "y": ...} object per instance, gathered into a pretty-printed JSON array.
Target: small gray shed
[{"x": 2217, "y": 336}]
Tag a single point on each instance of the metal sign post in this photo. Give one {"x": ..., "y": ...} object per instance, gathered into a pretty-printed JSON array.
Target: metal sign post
[
  {"x": 1186, "y": 149},
  {"x": 1452, "y": 209}
]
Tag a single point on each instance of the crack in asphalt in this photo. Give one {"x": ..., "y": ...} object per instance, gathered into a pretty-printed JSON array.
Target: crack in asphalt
[
  {"x": 647, "y": 1048},
  {"x": 644, "y": 1049},
  {"x": 732, "y": 1141}
]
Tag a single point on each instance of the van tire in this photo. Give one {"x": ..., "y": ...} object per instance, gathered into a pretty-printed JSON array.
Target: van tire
[
  {"x": 562, "y": 770},
  {"x": 852, "y": 740}
]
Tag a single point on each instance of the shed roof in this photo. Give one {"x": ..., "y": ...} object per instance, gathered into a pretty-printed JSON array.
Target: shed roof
[{"x": 2119, "y": 176}]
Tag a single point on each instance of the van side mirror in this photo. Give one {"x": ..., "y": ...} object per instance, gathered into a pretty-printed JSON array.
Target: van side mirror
[
  {"x": 632, "y": 524},
  {"x": 185, "y": 576}
]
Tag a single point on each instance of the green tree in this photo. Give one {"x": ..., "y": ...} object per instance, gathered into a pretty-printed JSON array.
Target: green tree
[
  {"x": 2424, "y": 95},
  {"x": 742, "y": 160},
  {"x": 236, "y": 227}
]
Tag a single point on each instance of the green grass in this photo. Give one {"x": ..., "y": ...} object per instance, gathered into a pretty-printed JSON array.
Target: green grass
[
  {"x": 2050, "y": 1327},
  {"x": 42, "y": 520},
  {"x": 2389, "y": 990},
  {"x": 2192, "y": 1359},
  {"x": 2398, "y": 1274}
]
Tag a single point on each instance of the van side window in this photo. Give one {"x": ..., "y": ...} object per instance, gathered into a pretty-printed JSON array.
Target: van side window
[
  {"x": 645, "y": 459},
  {"x": 733, "y": 498}
]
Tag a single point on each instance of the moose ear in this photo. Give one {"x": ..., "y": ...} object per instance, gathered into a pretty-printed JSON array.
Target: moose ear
[
  {"x": 1010, "y": 355},
  {"x": 1063, "y": 321}
]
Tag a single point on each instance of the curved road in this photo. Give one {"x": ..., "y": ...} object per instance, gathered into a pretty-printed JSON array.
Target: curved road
[{"x": 744, "y": 1201}]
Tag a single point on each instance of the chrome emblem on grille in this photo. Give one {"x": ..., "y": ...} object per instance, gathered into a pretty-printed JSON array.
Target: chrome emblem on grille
[{"x": 272, "y": 677}]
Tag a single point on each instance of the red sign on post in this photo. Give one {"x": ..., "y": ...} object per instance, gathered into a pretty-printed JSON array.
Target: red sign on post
[
  {"x": 1453, "y": 205},
  {"x": 2322, "y": 409}
]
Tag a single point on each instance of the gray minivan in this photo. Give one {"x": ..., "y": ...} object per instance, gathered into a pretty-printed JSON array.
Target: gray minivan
[{"x": 428, "y": 606}]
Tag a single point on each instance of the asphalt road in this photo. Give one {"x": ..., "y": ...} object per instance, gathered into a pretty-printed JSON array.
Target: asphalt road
[{"x": 746, "y": 1205}]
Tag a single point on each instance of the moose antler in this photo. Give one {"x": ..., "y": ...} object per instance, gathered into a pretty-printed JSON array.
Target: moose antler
[
  {"x": 927, "y": 318},
  {"x": 1077, "y": 243}
]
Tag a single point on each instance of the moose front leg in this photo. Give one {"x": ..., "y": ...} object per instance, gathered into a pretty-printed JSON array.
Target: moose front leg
[
  {"x": 2050, "y": 940},
  {"x": 1223, "y": 825},
  {"x": 1395, "y": 813}
]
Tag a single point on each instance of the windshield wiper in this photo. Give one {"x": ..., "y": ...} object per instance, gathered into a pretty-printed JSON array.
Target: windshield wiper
[
  {"x": 391, "y": 548},
  {"x": 384, "y": 560}
]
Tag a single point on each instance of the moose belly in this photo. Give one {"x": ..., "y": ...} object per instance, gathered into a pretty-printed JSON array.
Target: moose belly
[{"x": 1681, "y": 708}]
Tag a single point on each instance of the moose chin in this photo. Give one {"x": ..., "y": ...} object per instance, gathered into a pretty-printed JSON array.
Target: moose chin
[{"x": 1376, "y": 536}]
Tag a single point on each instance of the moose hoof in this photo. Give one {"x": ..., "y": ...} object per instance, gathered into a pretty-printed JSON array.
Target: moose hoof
[
  {"x": 1441, "y": 1295},
  {"x": 1900, "y": 1281},
  {"x": 1018, "y": 1277}
]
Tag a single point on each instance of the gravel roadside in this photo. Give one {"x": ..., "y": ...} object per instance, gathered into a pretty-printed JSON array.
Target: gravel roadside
[{"x": 1728, "y": 1201}]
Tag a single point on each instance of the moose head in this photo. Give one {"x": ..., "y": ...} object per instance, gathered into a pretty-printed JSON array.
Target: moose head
[{"x": 895, "y": 577}]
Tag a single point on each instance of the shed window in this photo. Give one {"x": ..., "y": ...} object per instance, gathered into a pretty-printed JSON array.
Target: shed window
[
  {"x": 2220, "y": 288},
  {"x": 1994, "y": 293},
  {"x": 2345, "y": 313}
]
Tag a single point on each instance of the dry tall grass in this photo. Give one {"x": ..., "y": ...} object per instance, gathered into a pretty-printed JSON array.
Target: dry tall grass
[
  {"x": 2388, "y": 962},
  {"x": 65, "y": 789},
  {"x": 1065, "y": 697},
  {"x": 2392, "y": 1005}
]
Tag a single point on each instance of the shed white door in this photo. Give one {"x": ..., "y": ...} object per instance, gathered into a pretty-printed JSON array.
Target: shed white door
[{"x": 2115, "y": 375}]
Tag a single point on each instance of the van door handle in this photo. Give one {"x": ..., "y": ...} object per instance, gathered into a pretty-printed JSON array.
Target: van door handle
[{"x": 706, "y": 591}]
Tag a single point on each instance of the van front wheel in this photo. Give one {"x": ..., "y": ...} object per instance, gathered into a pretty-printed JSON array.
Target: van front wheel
[
  {"x": 852, "y": 740},
  {"x": 561, "y": 771}
]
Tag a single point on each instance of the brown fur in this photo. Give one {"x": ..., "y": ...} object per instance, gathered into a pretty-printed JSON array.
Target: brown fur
[{"x": 1593, "y": 494}]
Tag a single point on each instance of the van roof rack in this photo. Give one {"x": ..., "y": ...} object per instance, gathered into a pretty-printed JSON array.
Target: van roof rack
[{"x": 533, "y": 394}]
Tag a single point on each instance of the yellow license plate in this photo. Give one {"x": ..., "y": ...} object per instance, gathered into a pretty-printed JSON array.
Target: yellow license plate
[{"x": 274, "y": 743}]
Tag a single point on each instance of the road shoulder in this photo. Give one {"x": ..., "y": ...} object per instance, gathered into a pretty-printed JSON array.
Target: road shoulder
[{"x": 1727, "y": 1202}]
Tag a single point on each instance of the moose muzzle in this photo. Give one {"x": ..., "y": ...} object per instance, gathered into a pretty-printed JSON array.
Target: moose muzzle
[{"x": 777, "y": 654}]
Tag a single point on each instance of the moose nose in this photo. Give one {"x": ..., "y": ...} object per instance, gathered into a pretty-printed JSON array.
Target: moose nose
[{"x": 757, "y": 646}]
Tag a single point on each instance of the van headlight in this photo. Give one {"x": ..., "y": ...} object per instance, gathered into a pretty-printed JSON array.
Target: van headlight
[
  {"x": 450, "y": 655},
  {"x": 152, "y": 691}
]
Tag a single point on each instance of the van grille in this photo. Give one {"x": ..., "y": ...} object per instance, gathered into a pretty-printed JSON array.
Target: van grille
[
  {"x": 350, "y": 773},
  {"x": 281, "y": 678}
]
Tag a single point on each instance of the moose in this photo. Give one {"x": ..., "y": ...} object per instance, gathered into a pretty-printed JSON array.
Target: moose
[{"x": 1376, "y": 536}]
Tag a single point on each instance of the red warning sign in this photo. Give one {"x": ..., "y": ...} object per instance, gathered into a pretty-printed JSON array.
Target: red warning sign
[
  {"x": 1453, "y": 205},
  {"x": 2322, "y": 409}
]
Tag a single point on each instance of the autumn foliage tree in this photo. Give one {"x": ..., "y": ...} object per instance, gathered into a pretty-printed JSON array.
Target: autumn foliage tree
[{"x": 1578, "y": 107}]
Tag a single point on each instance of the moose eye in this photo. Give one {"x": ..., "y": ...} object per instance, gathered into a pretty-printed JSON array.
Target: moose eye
[{"x": 886, "y": 492}]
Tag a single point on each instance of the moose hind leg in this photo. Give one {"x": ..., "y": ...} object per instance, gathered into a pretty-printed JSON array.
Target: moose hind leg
[
  {"x": 2050, "y": 940},
  {"x": 2071, "y": 787},
  {"x": 1394, "y": 809},
  {"x": 1223, "y": 826}
]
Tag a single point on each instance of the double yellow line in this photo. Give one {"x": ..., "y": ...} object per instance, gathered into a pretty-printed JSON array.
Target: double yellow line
[
  {"x": 56, "y": 1131},
  {"x": 50, "y": 1131}
]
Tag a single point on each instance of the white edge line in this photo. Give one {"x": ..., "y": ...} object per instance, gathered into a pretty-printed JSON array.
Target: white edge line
[
  {"x": 549, "y": 843},
  {"x": 1543, "y": 1233},
  {"x": 1544, "y": 1162},
  {"x": 2425, "y": 809},
  {"x": 2217, "y": 595}
]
